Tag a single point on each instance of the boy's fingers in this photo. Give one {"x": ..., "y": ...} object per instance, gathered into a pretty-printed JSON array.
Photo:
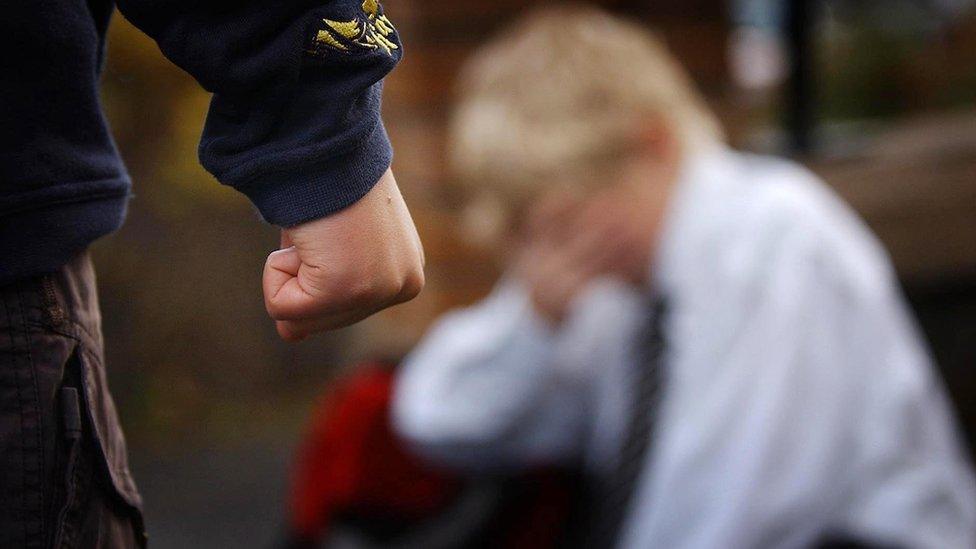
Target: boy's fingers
[
  {"x": 547, "y": 219},
  {"x": 607, "y": 259},
  {"x": 602, "y": 210},
  {"x": 283, "y": 295},
  {"x": 281, "y": 266},
  {"x": 588, "y": 242},
  {"x": 289, "y": 333},
  {"x": 298, "y": 330}
]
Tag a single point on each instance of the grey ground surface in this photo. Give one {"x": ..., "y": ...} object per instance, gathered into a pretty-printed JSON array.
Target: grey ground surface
[{"x": 231, "y": 496}]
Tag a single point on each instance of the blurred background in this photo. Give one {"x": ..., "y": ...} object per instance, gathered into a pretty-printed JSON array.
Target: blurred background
[{"x": 878, "y": 97}]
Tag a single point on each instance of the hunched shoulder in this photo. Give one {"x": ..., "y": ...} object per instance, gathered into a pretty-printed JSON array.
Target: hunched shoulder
[{"x": 807, "y": 222}]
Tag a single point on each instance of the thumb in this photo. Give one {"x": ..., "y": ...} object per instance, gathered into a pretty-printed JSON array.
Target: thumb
[{"x": 282, "y": 293}]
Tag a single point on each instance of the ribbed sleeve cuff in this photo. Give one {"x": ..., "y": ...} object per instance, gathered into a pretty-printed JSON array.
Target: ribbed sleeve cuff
[{"x": 290, "y": 197}]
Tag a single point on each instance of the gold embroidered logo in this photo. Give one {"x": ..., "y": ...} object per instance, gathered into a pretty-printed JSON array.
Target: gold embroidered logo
[{"x": 371, "y": 31}]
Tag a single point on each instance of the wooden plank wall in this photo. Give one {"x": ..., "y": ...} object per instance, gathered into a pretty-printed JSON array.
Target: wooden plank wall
[{"x": 438, "y": 37}]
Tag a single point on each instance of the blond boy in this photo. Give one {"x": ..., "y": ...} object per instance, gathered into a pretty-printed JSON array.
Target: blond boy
[{"x": 715, "y": 329}]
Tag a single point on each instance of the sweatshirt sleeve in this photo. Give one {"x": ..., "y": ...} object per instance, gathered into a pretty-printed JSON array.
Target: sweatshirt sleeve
[{"x": 294, "y": 122}]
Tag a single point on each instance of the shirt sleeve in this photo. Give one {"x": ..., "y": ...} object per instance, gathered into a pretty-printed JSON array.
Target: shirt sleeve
[
  {"x": 912, "y": 484},
  {"x": 294, "y": 121},
  {"x": 482, "y": 391}
]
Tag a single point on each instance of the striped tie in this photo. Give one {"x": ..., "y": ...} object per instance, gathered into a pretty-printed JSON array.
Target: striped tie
[{"x": 614, "y": 496}]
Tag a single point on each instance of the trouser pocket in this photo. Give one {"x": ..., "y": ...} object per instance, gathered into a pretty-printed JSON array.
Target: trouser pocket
[
  {"x": 75, "y": 474},
  {"x": 91, "y": 511},
  {"x": 64, "y": 476}
]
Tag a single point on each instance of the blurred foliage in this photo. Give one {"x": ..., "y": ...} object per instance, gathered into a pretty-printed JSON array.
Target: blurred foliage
[{"x": 882, "y": 59}]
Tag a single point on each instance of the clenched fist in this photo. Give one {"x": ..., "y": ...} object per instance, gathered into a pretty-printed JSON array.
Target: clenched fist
[{"x": 338, "y": 270}]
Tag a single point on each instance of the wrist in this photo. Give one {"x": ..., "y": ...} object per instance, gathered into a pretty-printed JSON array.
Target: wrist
[{"x": 306, "y": 192}]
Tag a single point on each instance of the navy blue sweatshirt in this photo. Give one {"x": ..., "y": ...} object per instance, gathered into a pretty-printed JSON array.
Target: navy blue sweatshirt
[{"x": 294, "y": 120}]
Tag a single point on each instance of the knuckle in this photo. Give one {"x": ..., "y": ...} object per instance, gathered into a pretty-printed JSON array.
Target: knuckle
[
  {"x": 284, "y": 331},
  {"x": 369, "y": 287},
  {"x": 278, "y": 314},
  {"x": 326, "y": 288},
  {"x": 361, "y": 289},
  {"x": 319, "y": 278},
  {"x": 412, "y": 284},
  {"x": 277, "y": 308},
  {"x": 273, "y": 308}
]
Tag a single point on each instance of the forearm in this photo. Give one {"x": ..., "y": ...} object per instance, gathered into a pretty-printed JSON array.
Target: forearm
[
  {"x": 294, "y": 122},
  {"x": 482, "y": 390}
]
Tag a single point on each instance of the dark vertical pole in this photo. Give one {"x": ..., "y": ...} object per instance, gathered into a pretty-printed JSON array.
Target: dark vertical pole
[{"x": 799, "y": 103}]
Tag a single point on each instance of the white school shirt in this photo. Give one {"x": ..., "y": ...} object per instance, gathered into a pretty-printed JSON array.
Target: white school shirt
[{"x": 799, "y": 401}]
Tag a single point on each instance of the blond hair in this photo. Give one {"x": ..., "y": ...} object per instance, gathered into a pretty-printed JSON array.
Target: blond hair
[{"x": 560, "y": 89}]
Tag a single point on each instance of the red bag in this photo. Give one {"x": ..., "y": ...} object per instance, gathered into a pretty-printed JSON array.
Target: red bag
[{"x": 353, "y": 475}]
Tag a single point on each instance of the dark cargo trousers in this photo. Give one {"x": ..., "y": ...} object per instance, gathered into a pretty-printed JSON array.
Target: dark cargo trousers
[{"x": 64, "y": 476}]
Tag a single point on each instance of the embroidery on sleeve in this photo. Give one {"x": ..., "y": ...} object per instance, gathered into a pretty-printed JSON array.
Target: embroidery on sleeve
[{"x": 370, "y": 31}]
